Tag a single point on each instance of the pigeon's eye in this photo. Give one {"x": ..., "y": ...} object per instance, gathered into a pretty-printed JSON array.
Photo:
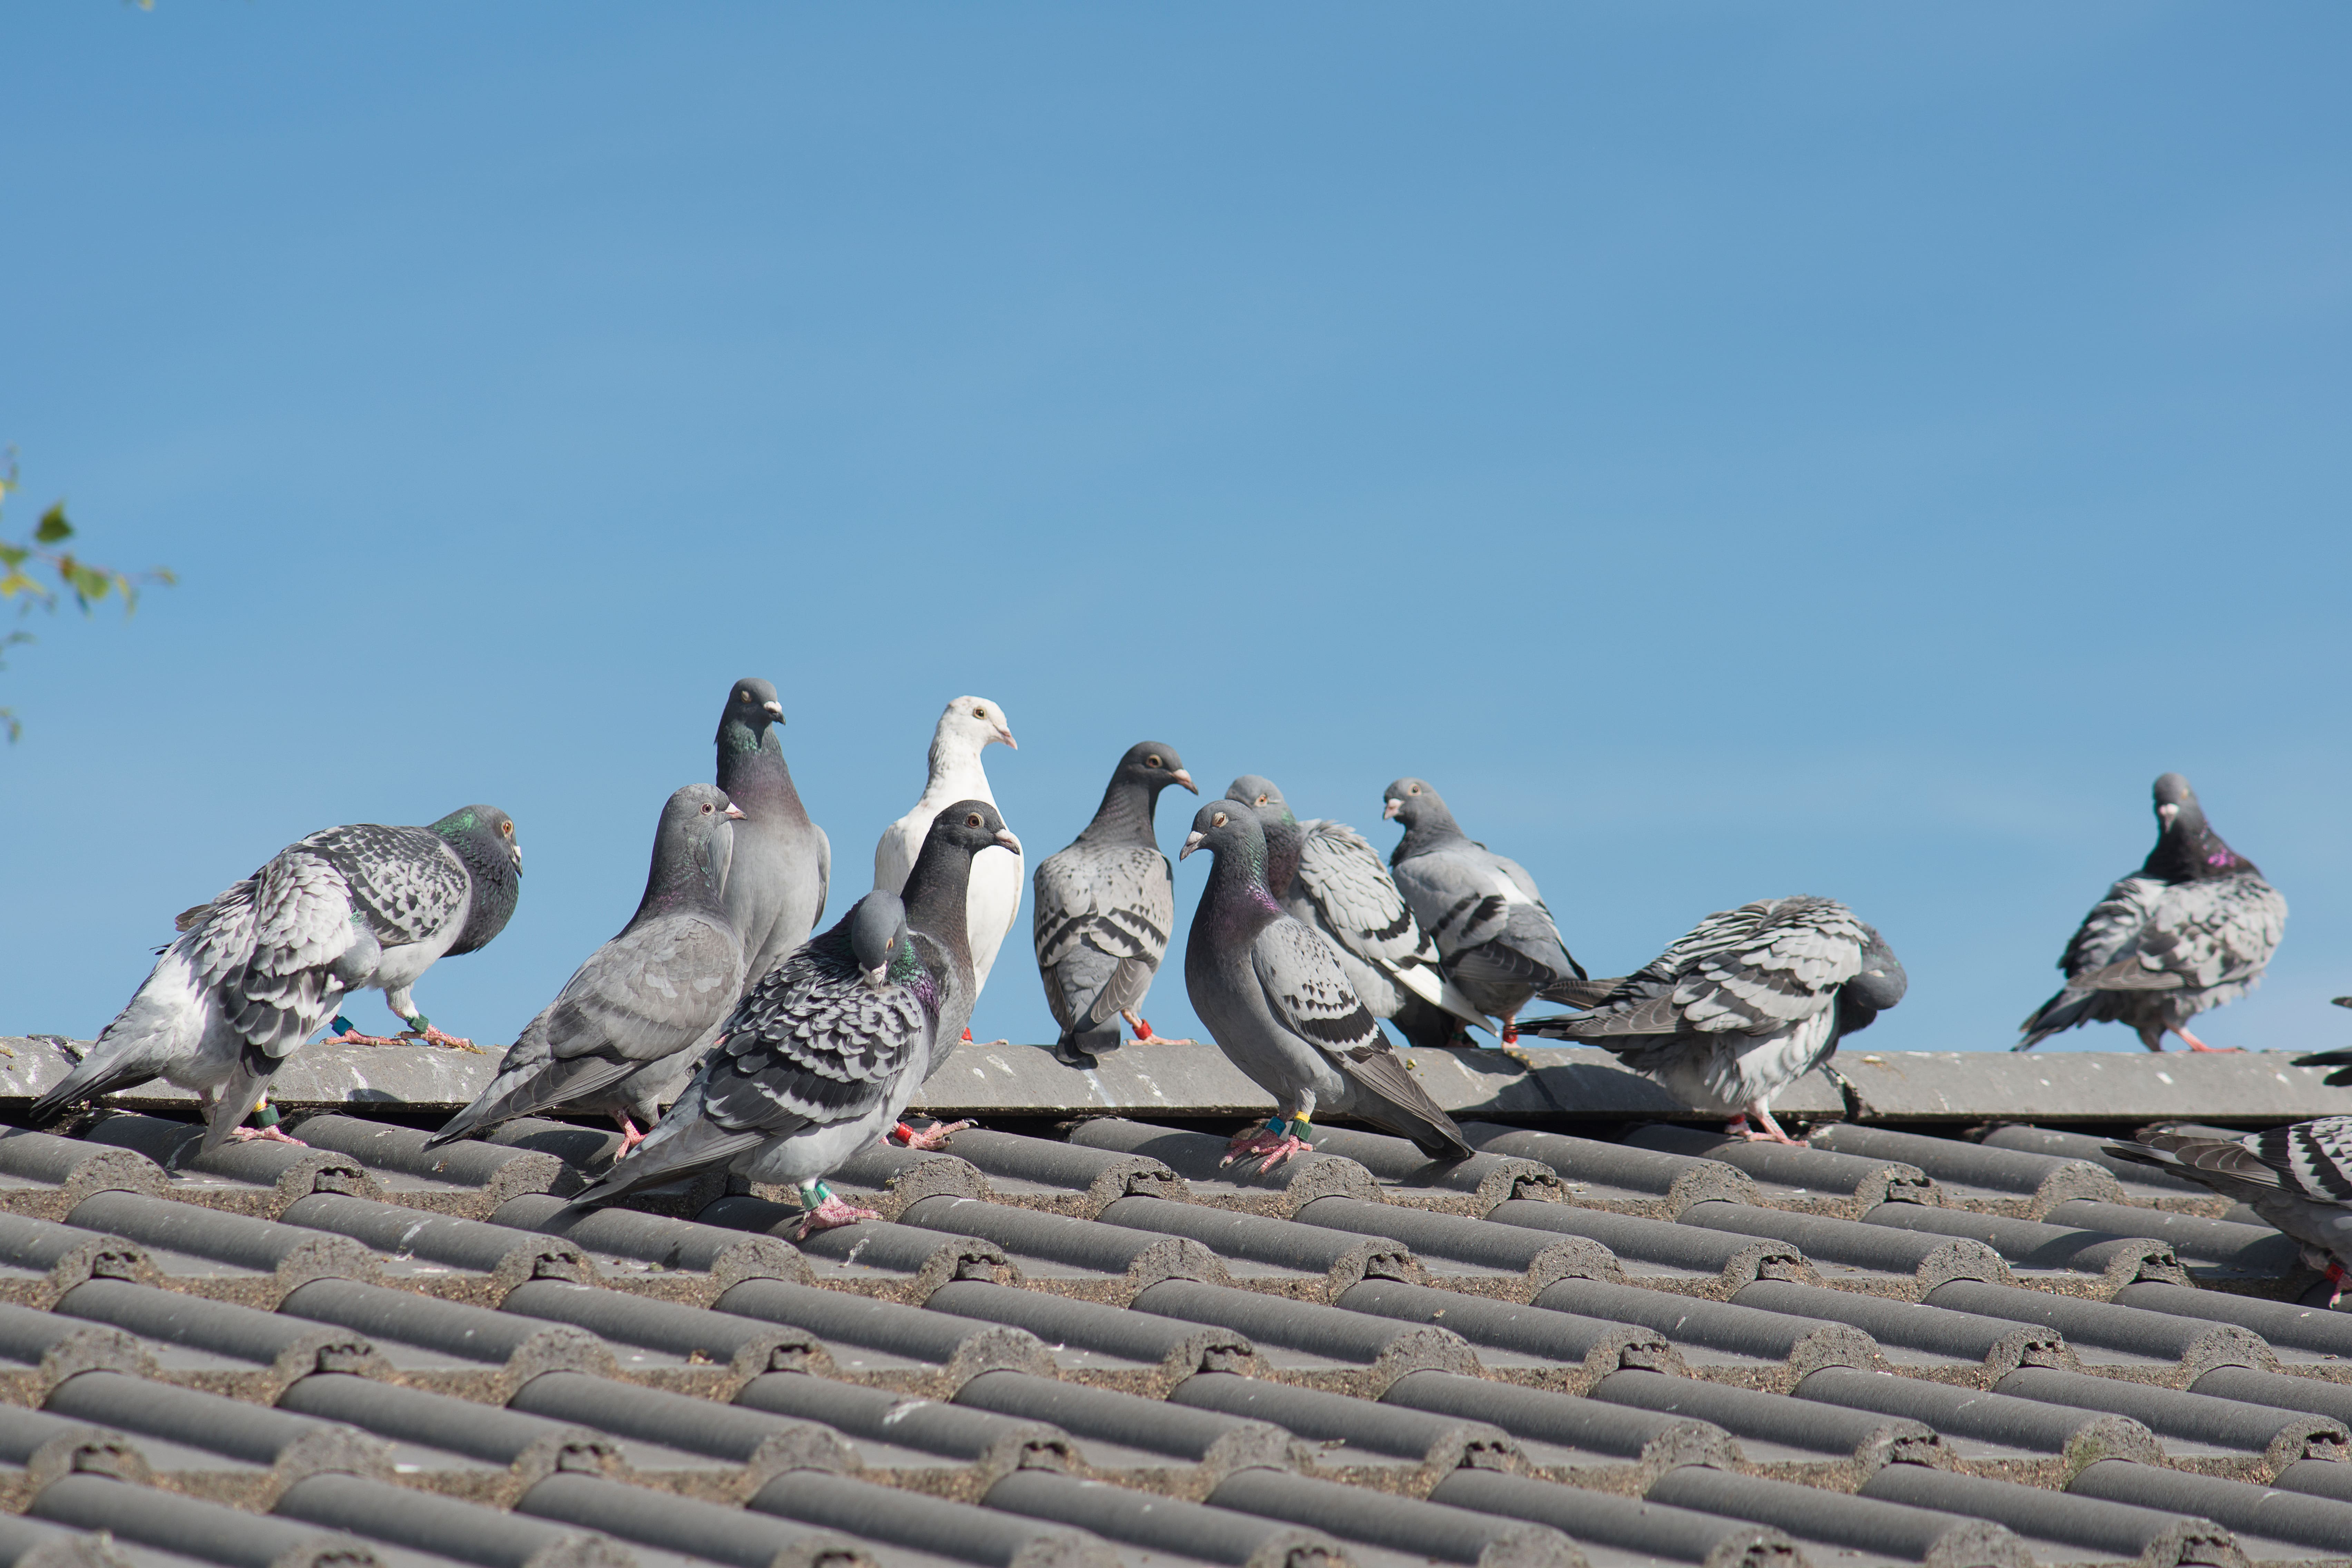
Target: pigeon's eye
[
  {"x": 706, "y": 809},
  {"x": 1218, "y": 820},
  {"x": 1260, "y": 801},
  {"x": 506, "y": 830},
  {"x": 971, "y": 819},
  {"x": 980, "y": 713},
  {"x": 1153, "y": 761},
  {"x": 1415, "y": 790}
]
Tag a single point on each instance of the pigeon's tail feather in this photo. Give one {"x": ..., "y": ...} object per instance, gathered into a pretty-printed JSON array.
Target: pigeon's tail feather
[
  {"x": 544, "y": 1087},
  {"x": 2069, "y": 1009},
  {"x": 163, "y": 1023},
  {"x": 2224, "y": 1164},
  {"x": 695, "y": 1146},
  {"x": 1426, "y": 982},
  {"x": 1389, "y": 1098},
  {"x": 238, "y": 1095},
  {"x": 2340, "y": 1060},
  {"x": 1578, "y": 993}
]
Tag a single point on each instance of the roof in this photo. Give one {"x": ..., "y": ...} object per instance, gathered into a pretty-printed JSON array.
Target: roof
[{"x": 1601, "y": 1341}]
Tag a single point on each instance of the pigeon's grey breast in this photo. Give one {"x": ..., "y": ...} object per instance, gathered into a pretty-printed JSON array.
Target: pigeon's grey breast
[{"x": 777, "y": 880}]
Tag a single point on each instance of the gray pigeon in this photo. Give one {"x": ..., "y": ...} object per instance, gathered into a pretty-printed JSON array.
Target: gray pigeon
[
  {"x": 1104, "y": 909},
  {"x": 651, "y": 992},
  {"x": 1326, "y": 874},
  {"x": 1748, "y": 1002},
  {"x": 821, "y": 1059},
  {"x": 264, "y": 963},
  {"x": 2194, "y": 928},
  {"x": 782, "y": 862},
  {"x": 2299, "y": 1178},
  {"x": 1273, "y": 996},
  {"x": 1495, "y": 936}
]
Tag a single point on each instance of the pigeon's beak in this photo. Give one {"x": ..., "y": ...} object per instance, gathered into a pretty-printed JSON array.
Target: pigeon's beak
[
  {"x": 1005, "y": 837},
  {"x": 1181, "y": 777},
  {"x": 2166, "y": 812},
  {"x": 733, "y": 813},
  {"x": 1006, "y": 736},
  {"x": 875, "y": 976},
  {"x": 1192, "y": 842},
  {"x": 776, "y": 710},
  {"x": 1389, "y": 809}
]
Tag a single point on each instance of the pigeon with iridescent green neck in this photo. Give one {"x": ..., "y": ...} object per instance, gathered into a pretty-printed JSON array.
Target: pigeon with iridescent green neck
[
  {"x": 781, "y": 863},
  {"x": 819, "y": 1061},
  {"x": 260, "y": 967},
  {"x": 643, "y": 998},
  {"x": 1280, "y": 1007}
]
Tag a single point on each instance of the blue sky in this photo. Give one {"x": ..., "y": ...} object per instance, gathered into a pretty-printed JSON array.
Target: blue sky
[{"x": 1731, "y": 449}]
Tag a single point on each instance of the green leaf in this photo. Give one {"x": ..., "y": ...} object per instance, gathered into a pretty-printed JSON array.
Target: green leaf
[
  {"x": 53, "y": 526},
  {"x": 13, "y": 555}
]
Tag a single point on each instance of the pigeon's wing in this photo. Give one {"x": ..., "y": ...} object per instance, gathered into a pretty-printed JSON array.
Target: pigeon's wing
[
  {"x": 1479, "y": 910},
  {"x": 815, "y": 1044},
  {"x": 2112, "y": 929},
  {"x": 823, "y": 876},
  {"x": 2197, "y": 934},
  {"x": 2311, "y": 1160},
  {"x": 1119, "y": 903},
  {"x": 1308, "y": 994},
  {"x": 1755, "y": 970},
  {"x": 409, "y": 884},
  {"x": 1359, "y": 900},
  {"x": 280, "y": 948},
  {"x": 652, "y": 990}
]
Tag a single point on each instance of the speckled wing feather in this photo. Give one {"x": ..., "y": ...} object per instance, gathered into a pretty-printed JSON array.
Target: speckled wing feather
[
  {"x": 815, "y": 1043},
  {"x": 280, "y": 948},
  {"x": 2194, "y": 935},
  {"x": 1343, "y": 875},
  {"x": 406, "y": 880},
  {"x": 2299, "y": 1178},
  {"x": 1103, "y": 915},
  {"x": 1481, "y": 910}
]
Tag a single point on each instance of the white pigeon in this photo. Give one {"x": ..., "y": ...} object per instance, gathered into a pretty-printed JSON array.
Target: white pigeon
[{"x": 969, "y": 725}]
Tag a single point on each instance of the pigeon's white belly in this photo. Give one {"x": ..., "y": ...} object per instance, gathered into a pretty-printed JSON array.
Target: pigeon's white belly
[{"x": 1730, "y": 1072}]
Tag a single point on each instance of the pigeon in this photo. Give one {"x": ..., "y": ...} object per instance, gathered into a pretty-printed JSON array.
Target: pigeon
[
  {"x": 824, "y": 1055},
  {"x": 969, "y": 725},
  {"x": 783, "y": 863},
  {"x": 1326, "y": 874},
  {"x": 2192, "y": 928},
  {"x": 654, "y": 991},
  {"x": 1279, "y": 1005},
  {"x": 1748, "y": 1002},
  {"x": 1104, "y": 909},
  {"x": 2341, "y": 1060},
  {"x": 2299, "y": 1178},
  {"x": 1497, "y": 940},
  {"x": 263, "y": 964}
]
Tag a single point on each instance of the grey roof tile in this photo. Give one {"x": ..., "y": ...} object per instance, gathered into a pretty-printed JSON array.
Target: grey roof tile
[
  {"x": 1718, "y": 1333},
  {"x": 1900, "y": 1530},
  {"x": 2254, "y": 1510},
  {"x": 2319, "y": 1333},
  {"x": 193, "y": 1527},
  {"x": 1655, "y": 1251},
  {"x": 448, "y": 1527},
  {"x": 1597, "y": 1522},
  {"x": 1558, "y": 1428},
  {"x": 1197, "y": 1530},
  {"x": 2126, "y": 1332},
  {"x": 1437, "y": 1530},
  {"x": 744, "y": 1538},
  {"x": 2285, "y": 1435},
  {"x": 1365, "y": 1426},
  {"x": 1978, "y": 1416},
  {"x": 1616, "y": 1175},
  {"x": 418, "y": 1418},
  {"x": 1575, "y": 1349},
  {"x": 1912, "y": 1334},
  {"x": 2160, "y": 1537},
  {"x": 2014, "y": 1179},
  {"x": 36, "y": 1543},
  {"x": 1804, "y": 1425},
  {"x": 1799, "y": 1176}
]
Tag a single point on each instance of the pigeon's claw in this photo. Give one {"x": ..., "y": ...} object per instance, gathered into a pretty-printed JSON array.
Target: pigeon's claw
[
  {"x": 630, "y": 1136},
  {"x": 831, "y": 1213},
  {"x": 1142, "y": 1027},
  {"x": 264, "y": 1135},
  {"x": 429, "y": 1036},
  {"x": 1765, "y": 1130},
  {"x": 1275, "y": 1141},
  {"x": 935, "y": 1136},
  {"x": 352, "y": 1036}
]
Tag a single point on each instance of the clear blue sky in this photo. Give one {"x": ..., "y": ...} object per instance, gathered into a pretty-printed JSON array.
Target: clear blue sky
[{"x": 1732, "y": 450}]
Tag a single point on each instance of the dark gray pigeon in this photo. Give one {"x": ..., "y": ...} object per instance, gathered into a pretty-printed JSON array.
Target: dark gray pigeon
[
  {"x": 783, "y": 863},
  {"x": 2299, "y": 1178},
  {"x": 1105, "y": 908},
  {"x": 1328, "y": 876},
  {"x": 2194, "y": 928},
  {"x": 1273, "y": 996},
  {"x": 821, "y": 1059},
  {"x": 1749, "y": 1000},
  {"x": 651, "y": 992},
  {"x": 2341, "y": 1060},
  {"x": 1495, "y": 936},
  {"x": 262, "y": 965}
]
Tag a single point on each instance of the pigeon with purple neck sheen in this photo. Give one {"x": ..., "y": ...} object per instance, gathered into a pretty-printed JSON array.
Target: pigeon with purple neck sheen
[
  {"x": 1280, "y": 1007},
  {"x": 260, "y": 966},
  {"x": 2298, "y": 1178},
  {"x": 820, "y": 1060},
  {"x": 1496, "y": 937},
  {"x": 1327, "y": 875},
  {"x": 1744, "y": 1005},
  {"x": 653, "y": 991},
  {"x": 781, "y": 863},
  {"x": 1105, "y": 908},
  {"x": 2192, "y": 928}
]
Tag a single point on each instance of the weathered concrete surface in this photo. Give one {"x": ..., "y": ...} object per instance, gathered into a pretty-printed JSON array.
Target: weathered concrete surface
[{"x": 1547, "y": 1085}]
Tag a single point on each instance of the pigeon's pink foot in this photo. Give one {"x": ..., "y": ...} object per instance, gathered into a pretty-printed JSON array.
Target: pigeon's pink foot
[
  {"x": 630, "y": 1136},
  {"x": 1276, "y": 1144},
  {"x": 2195, "y": 1043},
  {"x": 832, "y": 1214},
  {"x": 264, "y": 1135},
  {"x": 353, "y": 1037},
  {"x": 429, "y": 1036},
  {"x": 1772, "y": 1131},
  {"x": 935, "y": 1136},
  {"x": 1142, "y": 1027}
]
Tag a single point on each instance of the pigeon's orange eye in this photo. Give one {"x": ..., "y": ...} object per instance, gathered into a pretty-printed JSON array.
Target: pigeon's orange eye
[
  {"x": 971, "y": 820},
  {"x": 1260, "y": 801},
  {"x": 506, "y": 830}
]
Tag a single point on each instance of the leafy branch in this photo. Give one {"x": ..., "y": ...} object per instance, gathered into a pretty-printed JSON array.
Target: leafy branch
[{"x": 45, "y": 553}]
